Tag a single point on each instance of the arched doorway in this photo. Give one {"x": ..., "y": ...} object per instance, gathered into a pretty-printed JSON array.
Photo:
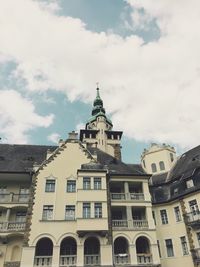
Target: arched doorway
[
  {"x": 43, "y": 252},
  {"x": 143, "y": 250},
  {"x": 68, "y": 252},
  {"x": 121, "y": 251},
  {"x": 92, "y": 251}
]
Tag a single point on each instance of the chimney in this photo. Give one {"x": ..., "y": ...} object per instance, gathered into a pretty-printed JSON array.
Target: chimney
[
  {"x": 73, "y": 136},
  {"x": 117, "y": 151}
]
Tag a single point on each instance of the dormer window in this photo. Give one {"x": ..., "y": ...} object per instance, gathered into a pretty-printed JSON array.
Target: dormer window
[
  {"x": 153, "y": 167},
  {"x": 189, "y": 183}
]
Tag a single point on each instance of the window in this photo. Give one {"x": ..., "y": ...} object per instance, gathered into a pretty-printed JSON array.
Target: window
[
  {"x": 153, "y": 167},
  {"x": 86, "y": 210},
  {"x": 163, "y": 214},
  {"x": 169, "y": 247},
  {"x": 171, "y": 157},
  {"x": 70, "y": 213},
  {"x": 50, "y": 185},
  {"x": 98, "y": 210},
  {"x": 71, "y": 186},
  {"x": 162, "y": 165},
  {"x": 177, "y": 214},
  {"x": 184, "y": 245},
  {"x": 86, "y": 183},
  {"x": 144, "y": 163},
  {"x": 97, "y": 183},
  {"x": 23, "y": 194},
  {"x": 159, "y": 251},
  {"x": 21, "y": 216},
  {"x": 198, "y": 238},
  {"x": 194, "y": 207},
  {"x": 154, "y": 217},
  {"x": 3, "y": 192},
  {"x": 189, "y": 183},
  {"x": 47, "y": 212}
]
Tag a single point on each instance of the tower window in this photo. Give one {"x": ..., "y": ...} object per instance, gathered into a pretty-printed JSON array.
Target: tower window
[
  {"x": 144, "y": 163},
  {"x": 153, "y": 167},
  {"x": 162, "y": 165},
  {"x": 171, "y": 157}
]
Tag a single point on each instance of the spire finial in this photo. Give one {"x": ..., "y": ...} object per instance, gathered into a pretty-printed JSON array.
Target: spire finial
[{"x": 97, "y": 83}]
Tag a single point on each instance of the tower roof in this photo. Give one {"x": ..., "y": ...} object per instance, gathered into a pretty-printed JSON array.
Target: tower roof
[{"x": 98, "y": 109}]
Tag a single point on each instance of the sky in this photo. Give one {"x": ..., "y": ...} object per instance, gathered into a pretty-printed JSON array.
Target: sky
[{"x": 143, "y": 53}]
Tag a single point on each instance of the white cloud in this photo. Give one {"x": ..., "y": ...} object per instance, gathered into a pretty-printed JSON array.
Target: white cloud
[
  {"x": 151, "y": 89},
  {"x": 18, "y": 117},
  {"x": 54, "y": 138}
]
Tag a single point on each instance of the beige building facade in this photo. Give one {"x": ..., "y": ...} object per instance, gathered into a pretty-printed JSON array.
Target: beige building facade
[{"x": 78, "y": 204}]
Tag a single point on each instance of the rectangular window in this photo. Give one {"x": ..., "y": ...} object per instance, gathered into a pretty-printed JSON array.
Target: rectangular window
[
  {"x": 86, "y": 210},
  {"x": 163, "y": 214},
  {"x": 23, "y": 194},
  {"x": 184, "y": 245},
  {"x": 3, "y": 192},
  {"x": 97, "y": 183},
  {"x": 70, "y": 213},
  {"x": 47, "y": 212},
  {"x": 198, "y": 238},
  {"x": 71, "y": 186},
  {"x": 177, "y": 214},
  {"x": 50, "y": 186},
  {"x": 169, "y": 247},
  {"x": 98, "y": 210},
  {"x": 21, "y": 216},
  {"x": 189, "y": 183},
  {"x": 194, "y": 207},
  {"x": 86, "y": 183},
  {"x": 159, "y": 251}
]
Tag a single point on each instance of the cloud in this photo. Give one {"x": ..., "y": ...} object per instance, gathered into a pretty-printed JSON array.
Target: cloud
[
  {"x": 18, "y": 117},
  {"x": 54, "y": 138},
  {"x": 151, "y": 89}
]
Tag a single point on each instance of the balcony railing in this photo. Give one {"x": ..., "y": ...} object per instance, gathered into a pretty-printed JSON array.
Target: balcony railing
[
  {"x": 144, "y": 258},
  {"x": 122, "y": 259},
  {"x": 193, "y": 217},
  {"x": 14, "y": 198},
  {"x": 127, "y": 196},
  {"x": 43, "y": 261},
  {"x": 92, "y": 259},
  {"x": 134, "y": 224},
  {"x": 120, "y": 223},
  {"x": 12, "y": 226},
  {"x": 140, "y": 224},
  {"x": 12, "y": 264},
  {"x": 67, "y": 260}
]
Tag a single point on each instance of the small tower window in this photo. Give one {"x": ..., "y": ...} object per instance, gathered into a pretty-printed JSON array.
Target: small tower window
[
  {"x": 171, "y": 157},
  {"x": 162, "y": 165},
  {"x": 144, "y": 163},
  {"x": 153, "y": 167}
]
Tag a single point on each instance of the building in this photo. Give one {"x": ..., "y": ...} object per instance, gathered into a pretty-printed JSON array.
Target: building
[{"x": 78, "y": 204}]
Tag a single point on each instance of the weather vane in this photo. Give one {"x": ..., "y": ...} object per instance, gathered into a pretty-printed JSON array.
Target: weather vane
[{"x": 97, "y": 83}]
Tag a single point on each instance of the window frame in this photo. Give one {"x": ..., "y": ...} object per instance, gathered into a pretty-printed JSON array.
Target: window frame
[
  {"x": 71, "y": 186},
  {"x": 177, "y": 214},
  {"x": 98, "y": 211},
  {"x": 86, "y": 210},
  {"x": 169, "y": 247},
  {"x": 47, "y": 213},
  {"x": 86, "y": 183},
  {"x": 97, "y": 183},
  {"x": 48, "y": 186},
  {"x": 164, "y": 217},
  {"x": 184, "y": 245},
  {"x": 71, "y": 216}
]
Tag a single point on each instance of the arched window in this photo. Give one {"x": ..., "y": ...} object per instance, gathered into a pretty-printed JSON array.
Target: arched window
[
  {"x": 43, "y": 252},
  {"x": 121, "y": 251},
  {"x": 68, "y": 251},
  {"x": 143, "y": 250},
  {"x": 92, "y": 251},
  {"x": 153, "y": 167},
  {"x": 162, "y": 165}
]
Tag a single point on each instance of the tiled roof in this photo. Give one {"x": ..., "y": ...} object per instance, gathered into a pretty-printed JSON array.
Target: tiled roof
[{"x": 20, "y": 158}]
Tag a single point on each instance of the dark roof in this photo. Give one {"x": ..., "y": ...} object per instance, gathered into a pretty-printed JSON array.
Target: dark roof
[
  {"x": 113, "y": 165},
  {"x": 173, "y": 185},
  {"x": 20, "y": 158}
]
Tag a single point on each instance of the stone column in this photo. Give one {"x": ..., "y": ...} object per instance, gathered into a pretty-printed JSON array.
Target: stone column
[
  {"x": 129, "y": 216},
  {"x": 155, "y": 254},
  {"x": 80, "y": 255},
  {"x": 106, "y": 255},
  {"x": 133, "y": 254},
  {"x": 8, "y": 214},
  {"x": 56, "y": 256},
  {"x": 149, "y": 217},
  {"x": 126, "y": 190}
]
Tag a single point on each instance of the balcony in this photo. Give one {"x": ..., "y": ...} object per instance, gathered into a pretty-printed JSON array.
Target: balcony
[
  {"x": 14, "y": 198},
  {"x": 127, "y": 196},
  {"x": 193, "y": 219},
  {"x": 92, "y": 260},
  {"x": 122, "y": 259},
  {"x": 42, "y": 261},
  {"x": 68, "y": 260},
  {"x": 134, "y": 224},
  {"x": 12, "y": 264},
  {"x": 144, "y": 259},
  {"x": 12, "y": 226}
]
